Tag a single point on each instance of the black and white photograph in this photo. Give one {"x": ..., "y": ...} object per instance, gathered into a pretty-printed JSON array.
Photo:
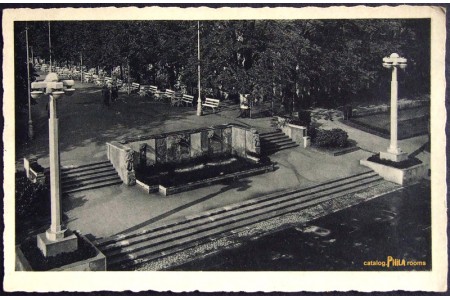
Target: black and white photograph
[{"x": 225, "y": 149}]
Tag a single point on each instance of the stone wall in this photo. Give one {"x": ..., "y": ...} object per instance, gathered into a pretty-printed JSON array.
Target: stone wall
[
  {"x": 182, "y": 146},
  {"x": 295, "y": 132},
  {"x": 123, "y": 158},
  {"x": 399, "y": 176},
  {"x": 34, "y": 172}
]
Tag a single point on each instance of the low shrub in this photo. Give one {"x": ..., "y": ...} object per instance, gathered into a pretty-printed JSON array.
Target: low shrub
[
  {"x": 32, "y": 199},
  {"x": 303, "y": 119},
  {"x": 329, "y": 138}
]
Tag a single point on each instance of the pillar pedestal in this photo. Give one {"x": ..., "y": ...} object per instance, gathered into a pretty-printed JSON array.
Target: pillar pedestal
[
  {"x": 397, "y": 157},
  {"x": 54, "y": 243}
]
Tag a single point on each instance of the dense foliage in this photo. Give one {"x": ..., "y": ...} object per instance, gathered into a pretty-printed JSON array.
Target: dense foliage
[
  {"x": 305, "y": 62},
  {"x": 335, "y": 137},
  {"x": 32, "y": 199}
]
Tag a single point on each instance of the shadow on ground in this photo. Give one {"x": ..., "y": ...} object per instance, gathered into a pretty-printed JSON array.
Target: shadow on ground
[{"x": 240, "y": 186}]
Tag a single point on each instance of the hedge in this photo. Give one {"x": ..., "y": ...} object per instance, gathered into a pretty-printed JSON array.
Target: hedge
[{"x": 329, "y": 138}]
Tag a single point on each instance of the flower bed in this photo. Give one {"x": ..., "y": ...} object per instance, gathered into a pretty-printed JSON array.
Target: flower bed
[
  {"x": 410, "y": 162},
  {"x": 38, "y": 262},
  {"x": 403, "y": 173},
  {"x": 174, "y": 178},
  {"x": 170, "y": 175}
]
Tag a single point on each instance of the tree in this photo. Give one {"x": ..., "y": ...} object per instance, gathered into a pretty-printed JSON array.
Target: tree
[{"x": 294, "y": 62}]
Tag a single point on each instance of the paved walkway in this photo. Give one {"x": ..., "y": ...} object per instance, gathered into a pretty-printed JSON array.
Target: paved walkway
[{"x": 86, "y": 125}]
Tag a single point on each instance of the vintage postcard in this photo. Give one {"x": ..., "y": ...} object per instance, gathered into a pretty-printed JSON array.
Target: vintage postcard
[{"x": 225, "y": 149}]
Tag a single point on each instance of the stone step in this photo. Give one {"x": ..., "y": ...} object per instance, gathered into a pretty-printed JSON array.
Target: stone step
[
  {"x": 89, "y": 175},
  {"x": 269, "y": 134},
  {"x": 275, "y": 138},
  {"x": 74, "y": 172},
  {"x": 279, "y": 143},
  {"x": 93, "y": 186},
  {"x": 117, "y": 249},
  {"x": 92, "y": 164},
  {"x": 273, "y": 196},
  {"x": 184, "y": 239},
  {"x": 84, "y": 172},
  {"x": 350, "y": 183},
  {"x": 97, "y": 179},
  {"x": 273, "y": 150},
  {"x": 79, "y": 169}
]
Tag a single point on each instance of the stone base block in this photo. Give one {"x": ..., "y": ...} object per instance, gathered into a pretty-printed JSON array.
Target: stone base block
[
  {"x": 306, "y": 141},
  {"x": 131, "y": 178},
  {"x": 52, "y": 248},
  {"x": 399, "y": 176},
  {"x": 96, "y": 263},
  {"x": 393, "y": 156}
]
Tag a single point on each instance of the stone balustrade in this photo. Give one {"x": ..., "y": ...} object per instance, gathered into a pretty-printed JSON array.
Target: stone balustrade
[{"x": 298, "y": 134}]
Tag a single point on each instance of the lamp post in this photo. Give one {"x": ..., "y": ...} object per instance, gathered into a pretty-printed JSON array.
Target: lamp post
[
  {"x": 199, "y": 101},
  {"x": 394, "y": 153},
  {"x": 50, "y": 47},
  {"x": 55, "y": 240},
  {"x": 297, "y": 67},
  {"x": 81, "y": 67},
  {"x": 30, "y": 122}
]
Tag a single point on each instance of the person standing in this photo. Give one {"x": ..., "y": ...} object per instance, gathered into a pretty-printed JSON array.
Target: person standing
[
  {"x": 106, "y": 94},
  {"x": 114, "y": 93}
]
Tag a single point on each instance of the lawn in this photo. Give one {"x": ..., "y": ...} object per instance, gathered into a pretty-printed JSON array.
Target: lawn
[{"x": 411, "y": 122}]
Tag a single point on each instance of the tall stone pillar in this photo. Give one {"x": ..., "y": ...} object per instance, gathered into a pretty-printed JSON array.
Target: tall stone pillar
[
  {"x": 394, "y": 153},
  {"x": 55, "y": 240},
  {"x": 56, "y": 230}
]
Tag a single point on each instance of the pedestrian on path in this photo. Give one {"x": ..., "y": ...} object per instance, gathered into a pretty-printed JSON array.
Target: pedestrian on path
[
  {"x": 114, "y": 93},
  {"x": 106, "y": 94}
]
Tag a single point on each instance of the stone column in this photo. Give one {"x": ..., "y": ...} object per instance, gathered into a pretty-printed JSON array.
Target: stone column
[
  {"x": 56, "y": 230},
  {"x": 393, "y": 148},
  {"x": 55, "y": 240},
  {"x": 394, "y": 153}
]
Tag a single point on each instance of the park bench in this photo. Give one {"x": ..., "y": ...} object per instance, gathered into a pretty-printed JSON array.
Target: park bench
[
  {"x": 169, "y": 94},
  {"x": 188, "y": 99},
  {"x": 75, "y": 74},
  {"x": 211, "y": 103},
  {"x": 144, "y": 90},
  {"x": 153, "y": 89},
  {"x": 176, "y": 99},
  {"x": 135, "y": 87},
  {"x": 96, "y": 80},
  {"x": 87, "y": 77}
]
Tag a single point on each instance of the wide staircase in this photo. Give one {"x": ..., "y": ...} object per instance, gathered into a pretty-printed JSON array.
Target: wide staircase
[
  {"x": 274, "y": 141},
  {"x": 90, "y": 176},
  {"x": 129, "y": 250}
]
